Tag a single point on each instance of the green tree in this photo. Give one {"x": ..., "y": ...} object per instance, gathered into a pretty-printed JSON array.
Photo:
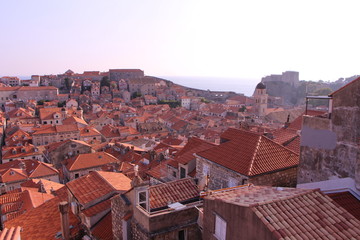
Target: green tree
[
  {"x": 105, "y": 81},
  {"x": 61, "y": 104},
  {"x": 242, "y": 109},
  {"x": 135, "y": 95}
]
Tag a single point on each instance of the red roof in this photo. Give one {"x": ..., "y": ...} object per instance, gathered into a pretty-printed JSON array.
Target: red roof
[
  {"x": 194, "y": 145},
  {"x": 103, "y": 229},
  {"x": 89, "y": 160},
  {"x": 97, "y": 184},
  {"x": 250, "y": 154},
  {"x": 44, "y": 222},
  {"x": 171, "y": 192}
]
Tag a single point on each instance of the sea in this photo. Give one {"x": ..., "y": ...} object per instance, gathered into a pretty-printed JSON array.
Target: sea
[{"x": 238, "y": 85}]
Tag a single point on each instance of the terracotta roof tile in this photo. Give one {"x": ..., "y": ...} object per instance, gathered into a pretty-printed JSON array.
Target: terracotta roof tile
[
  {"x": 46, "y": 216},
  {"x": 250, "y": 153},
  {"x": 98, "y": 208},
  {"x": 89, "y": 160},
  {"x": 97, "y": 184},
  {"x": 194, "y": 145},
  {"x": 176, "y": 191},
  {"x": 103, "y": 229}
]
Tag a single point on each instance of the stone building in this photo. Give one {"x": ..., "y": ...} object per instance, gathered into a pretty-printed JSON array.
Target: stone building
[
  {"x": 27, "y": 93},
  {"x": 12, "y": 81},
  {"x": 330, "y": 144},
  {"x": 18, "y": 171},
  {"x": 118, "y": 74},
  {"x": 21, "y": 152},
  {"x": 59, "y": 151},
  {"x": 163, "y": 211},
  {"x": 246, "y": 157},
  {"x": 50, "y": 134},
  {"x": 145, "y": 86},
  {"x": 290, "y": 77}
]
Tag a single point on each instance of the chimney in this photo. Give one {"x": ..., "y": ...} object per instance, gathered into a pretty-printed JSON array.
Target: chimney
[
  {"x": 64, "y": 216},
  {"x": 287, "y": 123}
]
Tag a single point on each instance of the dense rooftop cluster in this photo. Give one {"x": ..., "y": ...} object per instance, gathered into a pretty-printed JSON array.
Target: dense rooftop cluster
[{"x": 121, "y": 155}]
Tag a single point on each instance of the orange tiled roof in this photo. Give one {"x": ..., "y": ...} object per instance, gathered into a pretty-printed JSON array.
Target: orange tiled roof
[
  {"x": 194, "y": 145},
  {"x": 250, "y": 154},
  {"x": 44, "y": 222},
  {"x": 98, "y": 208},
  {"x": 48, "y": 113},
  {"x": 15, "y": 204},
  {"x": 294, "y": 213},
  {"x": 171, "y": 192},
  {"x": 97, "y": 184},
  {"x": 32, "y": 169},
  {"x": 74, "y": 120},
  {"x": 20, "y": 151},
  {"x": 103, "y": 229},
  {"x": 89, "y": 160}
]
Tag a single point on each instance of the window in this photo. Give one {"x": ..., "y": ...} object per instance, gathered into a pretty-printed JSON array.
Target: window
[
  {"x": 142, "y": 199},
  {"x": 76, "y": 175},
  {"x": 182, "y": 235},
  {"x": 244, "y": 181},
  {"x": 220, "y": 228},
  {"x": 174, "y": 174},
  {"x": 182, "y": 172}
]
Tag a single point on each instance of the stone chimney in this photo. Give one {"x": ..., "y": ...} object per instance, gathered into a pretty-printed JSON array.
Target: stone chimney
[{"x": 64, "y": 217}]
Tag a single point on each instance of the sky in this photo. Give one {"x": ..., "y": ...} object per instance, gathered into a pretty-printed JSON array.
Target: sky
[{"x": 237, "y": 39}]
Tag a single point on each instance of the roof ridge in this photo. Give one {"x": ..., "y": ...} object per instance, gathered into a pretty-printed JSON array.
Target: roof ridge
[
  {"x": 97, "y": 172},
  {"x": 254, "y": 155},
  {"x": 271, "y": 140},
  {"x": 34, "y": 169},
  {"x": 46, "y": 165}
]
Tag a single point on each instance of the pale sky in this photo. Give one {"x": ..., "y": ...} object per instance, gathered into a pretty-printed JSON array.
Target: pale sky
[{"x": 235, "y": 39}]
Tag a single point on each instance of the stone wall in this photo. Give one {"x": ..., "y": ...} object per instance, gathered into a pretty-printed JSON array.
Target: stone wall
[
  {"x": 284, "y": 178},
  {"x": 68, "y": 149},
  {"x": 118, "y": 211},
  {"x": 219, "y": 175},
  {"x": 241, "y": 222},
  {"x": 330, "y": 147}
]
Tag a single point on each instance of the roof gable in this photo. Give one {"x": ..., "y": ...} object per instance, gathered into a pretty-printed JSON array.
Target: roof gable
[{"x": 250, "y": 154}]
